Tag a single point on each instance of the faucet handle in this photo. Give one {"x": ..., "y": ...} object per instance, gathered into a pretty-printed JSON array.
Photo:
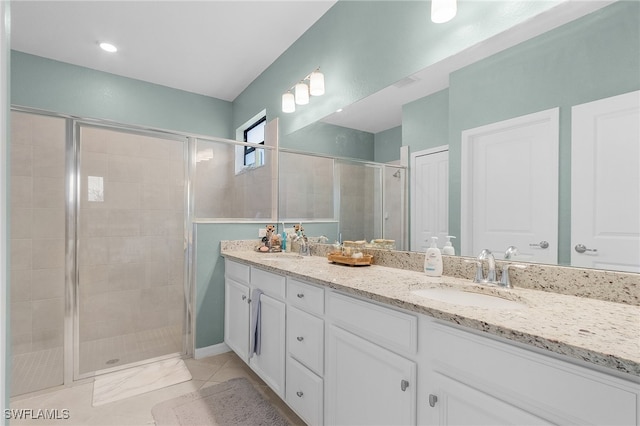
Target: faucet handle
[
  {"x": 479, "y": 274},
  {"x": 504, "y": 280}
]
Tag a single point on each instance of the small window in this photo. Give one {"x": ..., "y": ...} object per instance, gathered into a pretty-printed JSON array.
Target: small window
[{"x": 254, "y": 134}]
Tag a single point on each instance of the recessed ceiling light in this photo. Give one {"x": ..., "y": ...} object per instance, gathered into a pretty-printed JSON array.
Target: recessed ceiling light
[
  {"x": 339, "y": 110},
  {"x": 108, "y": 47}
]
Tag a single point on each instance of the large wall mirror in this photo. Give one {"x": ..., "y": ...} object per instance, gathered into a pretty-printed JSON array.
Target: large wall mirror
[{"x": 562, "y": 60}]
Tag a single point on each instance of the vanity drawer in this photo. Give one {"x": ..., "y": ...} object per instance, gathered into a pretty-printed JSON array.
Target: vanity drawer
[
  {"x": 305, "y": 339},
  {"x": 387, "y": 327},
  {"x": 305, "y": 296},
  {"x": 236, "y": 271},
  {"x": 304, "y": 392},
  {"x": 270, "y": 284}
]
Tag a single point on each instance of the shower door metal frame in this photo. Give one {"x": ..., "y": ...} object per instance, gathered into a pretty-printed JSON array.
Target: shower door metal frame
[{"x": 74, "y": 175}]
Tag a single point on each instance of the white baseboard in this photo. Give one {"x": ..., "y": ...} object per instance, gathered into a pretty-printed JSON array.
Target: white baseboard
[{"x": 211, "y": 350}]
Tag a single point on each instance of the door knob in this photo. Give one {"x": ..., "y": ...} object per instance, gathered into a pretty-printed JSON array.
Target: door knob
[
  {"x": 581, "y": 248},
  {"x": 541, "y": 244}
]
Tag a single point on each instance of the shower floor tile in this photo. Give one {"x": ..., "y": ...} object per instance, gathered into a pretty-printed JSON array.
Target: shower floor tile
[
  {"x": 33, "y": 371},
  {"x": 96, "y": 355}
]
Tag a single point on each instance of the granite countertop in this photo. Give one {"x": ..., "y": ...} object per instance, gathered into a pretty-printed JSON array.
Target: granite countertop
[{"x": 606, "y": 334}]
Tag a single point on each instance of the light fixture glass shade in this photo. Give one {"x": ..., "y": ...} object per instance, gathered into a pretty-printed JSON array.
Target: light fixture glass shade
[
  {"x": 443, "y": 10},
  {"x": 288, "y": 102},
  {"x": 316, "y": 83},
  {"x": 302, "y": 93}
]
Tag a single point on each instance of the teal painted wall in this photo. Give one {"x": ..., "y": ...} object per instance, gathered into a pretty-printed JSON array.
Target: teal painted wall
[
  {"x": 425, "y": 122},
  {"x": 323, "y": 138},
  {"x": 50, "y": 85},
  {"x": 365, "y": 46},
  {"x": 387, "y": 145},
  {"x": 209, "y": 273},
  {"x": 592, "y": 58}
]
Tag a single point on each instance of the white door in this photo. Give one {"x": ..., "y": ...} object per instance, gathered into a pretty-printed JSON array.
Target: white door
[
  {"x": 270, "y": 364},
  {"x": 605, "y": 183},
  {"x": 429, "y": 197},
  {"x": 236, "y": 317},
  {"x": 367, "y": 384},
  {"x": 509, "y": 192}
]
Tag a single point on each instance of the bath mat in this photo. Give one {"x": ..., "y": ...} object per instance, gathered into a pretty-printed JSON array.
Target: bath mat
[
  {"x": 138, "y": 380},
  {"x": 234, "y": 402}
]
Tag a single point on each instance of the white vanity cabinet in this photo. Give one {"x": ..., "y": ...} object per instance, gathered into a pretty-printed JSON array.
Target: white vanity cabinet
[
  {"x": 236, "y": 312},
  {"x": 474, "y": 379},
  {"x": 305, "y": 348},
  {"x": 366, "y": 381},
  {"x": 239, "y": 305}
]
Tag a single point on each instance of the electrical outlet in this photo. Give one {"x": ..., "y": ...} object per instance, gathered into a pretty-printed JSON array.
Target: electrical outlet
[{"x": 262, "y": 232}]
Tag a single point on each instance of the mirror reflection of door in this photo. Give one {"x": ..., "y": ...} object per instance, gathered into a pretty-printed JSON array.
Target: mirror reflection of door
[
  {"x": 429, "y": 197},
  {"x": 605, "y": 183},
  {"x": 510, "y": 187}
]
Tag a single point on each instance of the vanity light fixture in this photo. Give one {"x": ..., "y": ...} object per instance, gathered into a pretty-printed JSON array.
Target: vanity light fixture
[
  {"x": 108, "y": 47},
  {"x": 300, "y": 92},
  {"x": 443, "y": 10},
  {"x": 288, "y": 102}
]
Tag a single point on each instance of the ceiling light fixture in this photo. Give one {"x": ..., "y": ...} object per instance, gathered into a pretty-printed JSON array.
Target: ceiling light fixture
[
  {"x": 108, "y": 47},
  {"x": 443, "y": 10},
  {"x": 300, "y": 92}
]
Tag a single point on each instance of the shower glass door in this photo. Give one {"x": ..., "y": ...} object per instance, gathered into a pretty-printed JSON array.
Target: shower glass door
[{"x": 130, "y": 248}]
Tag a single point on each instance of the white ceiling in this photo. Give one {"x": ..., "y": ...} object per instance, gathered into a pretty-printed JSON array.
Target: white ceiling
[{"x": 214, "y": 48}]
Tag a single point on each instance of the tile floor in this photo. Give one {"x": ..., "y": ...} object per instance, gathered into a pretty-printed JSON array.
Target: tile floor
[{"x": 137, "y": 410}]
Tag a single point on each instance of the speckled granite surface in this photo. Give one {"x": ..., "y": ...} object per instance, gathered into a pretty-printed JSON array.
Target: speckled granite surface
[{"x": 600, "y": 332}]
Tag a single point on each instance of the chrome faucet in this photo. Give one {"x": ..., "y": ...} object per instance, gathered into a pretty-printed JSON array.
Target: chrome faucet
[
  {"x": 303, "y": 245},
  {"x": 485, "y": 254}
]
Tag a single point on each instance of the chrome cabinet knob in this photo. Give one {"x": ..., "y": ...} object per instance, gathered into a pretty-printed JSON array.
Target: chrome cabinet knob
[
  {"x": 541, "y": 244},
  {"x": 300, "y": 295},
  {"x": 300, "y": 338},
  {"x": 244, "y": 297},
  {"x": 404, "y": 385},
  {"x": 299, "y": 393},
  {"x": 581, "y": 248}
]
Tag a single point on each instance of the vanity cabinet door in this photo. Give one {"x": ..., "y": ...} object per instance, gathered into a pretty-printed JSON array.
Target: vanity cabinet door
[
  {"x": 454, "y": 403},
  {"x": 236, "y": 317},
  {"x": 366, "y": 384},
  {"x": 270, "y": 364}
]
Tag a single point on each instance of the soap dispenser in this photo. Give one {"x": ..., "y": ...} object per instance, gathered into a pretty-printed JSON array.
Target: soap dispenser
[
  {"x": 433, "y": 260},
  {"x": 448, "y": 248}
]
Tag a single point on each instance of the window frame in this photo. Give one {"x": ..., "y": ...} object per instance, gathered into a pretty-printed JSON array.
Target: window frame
[{"x": 249, "y": 149}]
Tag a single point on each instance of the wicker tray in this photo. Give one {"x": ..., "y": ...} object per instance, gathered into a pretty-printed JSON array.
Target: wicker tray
[{"x": 365, "y": 260}]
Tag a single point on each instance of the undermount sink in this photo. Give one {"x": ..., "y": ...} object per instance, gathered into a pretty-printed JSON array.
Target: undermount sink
[{"x": 468, "y": 298}]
